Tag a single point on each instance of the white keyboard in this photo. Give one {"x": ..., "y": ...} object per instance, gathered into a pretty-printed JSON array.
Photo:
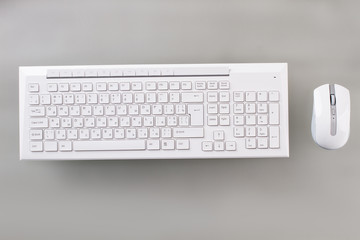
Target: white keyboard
[{"x": 154, "y": 111}]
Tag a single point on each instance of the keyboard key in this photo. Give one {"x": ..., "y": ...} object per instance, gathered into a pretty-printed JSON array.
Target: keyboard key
[
  {"x": 153, "y": 144},
  {"x": 250, "y": 108},
  {"x": 174, "y": 85},
  {"x": 192, "y": 97},
  {"x": 262, "y": 108},
  {"x": 197, "y": 115},
  {"x": 219, "y": 146},
  {"x": 262, "y": 131},
  {"x": 119, "y": 133},
  {"x": 130, "y": 133},
  {"x": 250, "y": 131},
  {"x": 262, "y": 143},
  {"x": 274, "y": 137},
  {"x": 184, "y": 120},
  {"x": 239, "y": 132},
  {"x": 188, "y": 132},
  {"x": 136, "y": 86},
  {"x": 238, "y": 108},
  {"x": 142, "y": 133},
  {"x": 57, "y": 99},
  {"x": 262, "y": 119},
  {"x": 212, "y": 97},
  {"x": 224, "y": 120},
  {"x": 150, "y": 86},
  {"x": 212, "y": 120},
  {"x": 54, "y": 122},
  {"x": 250, "y": 96},
  {"x": 45, "y": 99},
  {"x": 230, "y": 146},
  {"x": 127, "y": 98},
  {"x": 262, "y": 96},
  {"x": 113, "y": 86},
  {"x": 50, "y": 146},
  {"x": 162, "y": 97},
  {"x": 60, "y": 134},
  {"x": 75, "y": 87},
  {"x": 238, "y": 96},
  {"x": 87, "y": 87},
  {"x": 151, "y": 97},
  {"x": 37, "y": 111},
  {"x": 239, "y": 120},
  {"x": 186, "y": 85},
  {"x": 274, "y": 96},
  {"x": 224, "y": 108},
  {"x": 218, "y": 135},
  {"x": 80, "y": 98},
  {"x": 33, "y": 99},
  {"x": 33, "y": 87},
  {"x": 109, "y": 145},
  {"x": 212, "y": 108},
  {"x": 180, "y": 109},
  {"x": 273, "y": 114},
  {"x": 224, "y": 96},
  {"x": 250, "y": 119},
  {"x": 174, "y": 97},
  {"x": 200, "y": 85},
  {"x": 211, "y": 85},
  {"x": 69, "y": 99},
  {"x": 124, "y": 86},
  {"x": 169, "y": 109},
  {"x": 39, "y": 123},
  {"x": 250, "y": 143},
  {"x": 207, "y": 146},
  {"x": 116, "y": 98},
  {"x": 65, "y": 146},
  {"x": 162, "y": 85},
  {"x": 182, "y": 144},
  {"x": 52, "y": 87},
  {"x": 63, "y": 87},
  {"x": 224, "y": 85},
  {"x": 36, "y": 146},
  {"x": 168, "y": 144},
  {"x": 101, "y": 86},
  {"x": 36, "y": 135}
]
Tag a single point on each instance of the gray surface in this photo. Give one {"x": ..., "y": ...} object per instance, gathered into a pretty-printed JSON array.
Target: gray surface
[{"x": 315, "y": 194}]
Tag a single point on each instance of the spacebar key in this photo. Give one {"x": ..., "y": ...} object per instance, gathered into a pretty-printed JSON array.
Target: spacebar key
[{"x": 109, "y": 145}]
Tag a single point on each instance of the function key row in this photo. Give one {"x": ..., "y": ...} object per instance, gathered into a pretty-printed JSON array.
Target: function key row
[
  {"x": 137, "y": 72},
  {"x": 127, "y": 86},
  {"x": 263, "y": 96}
]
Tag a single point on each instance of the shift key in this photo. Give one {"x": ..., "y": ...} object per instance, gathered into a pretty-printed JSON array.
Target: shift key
[{"x": 188, "y": 132}]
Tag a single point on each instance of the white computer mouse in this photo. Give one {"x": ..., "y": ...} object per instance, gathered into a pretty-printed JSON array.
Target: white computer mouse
[{"x": 330, "y": 125}]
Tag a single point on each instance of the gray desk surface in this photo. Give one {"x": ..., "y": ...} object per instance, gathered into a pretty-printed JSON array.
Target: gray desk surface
[{"x": 315, "y": 194}]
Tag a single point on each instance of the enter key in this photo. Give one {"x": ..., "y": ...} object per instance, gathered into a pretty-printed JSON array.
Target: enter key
[{"x": 197, "y": 115}]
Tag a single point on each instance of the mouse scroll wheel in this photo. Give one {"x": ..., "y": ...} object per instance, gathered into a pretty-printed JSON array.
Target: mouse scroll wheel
[{"x": 332, "y": 99}]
